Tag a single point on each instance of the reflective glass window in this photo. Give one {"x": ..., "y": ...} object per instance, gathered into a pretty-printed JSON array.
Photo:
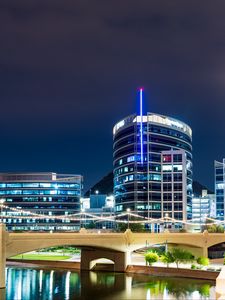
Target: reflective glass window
[
  {"x": 12, "y": 185},
  {"x": 35, "y": 184},
  {"x": 45, "y": 184}
]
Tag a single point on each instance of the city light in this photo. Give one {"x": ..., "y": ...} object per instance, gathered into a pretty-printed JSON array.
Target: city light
[
  {"x": 116, "y": 219},
  {"x": 141, "y": 123}
]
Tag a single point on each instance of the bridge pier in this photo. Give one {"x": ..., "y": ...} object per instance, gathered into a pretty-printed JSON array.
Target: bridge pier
[
  {"x": 120, "y": 259},
  {"x": 2, "y": 255},
  {"x": 220, "y": 285}
]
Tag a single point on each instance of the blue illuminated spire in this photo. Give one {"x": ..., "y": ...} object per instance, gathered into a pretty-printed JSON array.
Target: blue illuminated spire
[{"x": 141, "y": 123}]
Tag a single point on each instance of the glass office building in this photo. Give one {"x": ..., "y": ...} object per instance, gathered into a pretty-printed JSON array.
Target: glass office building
[
  {"x": 152, "y": 157},
  {"x": 49, "y": 194},
  {"x": 202, "y": 207},
  {"x": 219, "y": 188}
]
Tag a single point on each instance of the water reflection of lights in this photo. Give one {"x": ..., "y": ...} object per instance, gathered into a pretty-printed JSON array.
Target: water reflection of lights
[
  {"x": 196, "y": 295},
  {"x": 129, "y": 286},
  {"x": 67, "y": 286},
  {"x": 25, "y": 284},
  {"x": 148, "y": 294},
  {"x": 19, "y": 285},
  {"x": 93, "y": 277},
  {"x": 33, "y": 283},
  {"x": 40, "y": 280},
  {"x": 51, "y": 285},
  {"x": 9, "y": 278},
  {"x": 165, "y": 294}
]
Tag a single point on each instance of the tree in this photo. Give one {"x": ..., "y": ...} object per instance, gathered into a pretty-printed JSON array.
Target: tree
[
  {"x": 151, "y": 257},
  {"x": 215, "y": 228},
  {"x": 220, "y": 229},
  {"x": 208, "y": 223},
  {"x": 212, "y": 228},
  {"x": 181, "y": 256},
  {"x": 204, "y": 290},
  {"x": 167, "y": 258},
  {"x": 135, "y": 227},
  {"x": 90, "y": 225},
  {"x": 203, "y": 261}
]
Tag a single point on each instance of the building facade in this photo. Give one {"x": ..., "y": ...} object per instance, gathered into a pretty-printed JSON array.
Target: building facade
[
  {"x": 202, "y": 207},
  {"x": 219, "y": 188},
  {"x": 152, "y": 157},
  {"x": 174, "y": 184},
  {"x": 102, "y": 207},
  {"x": 49, "y": 194}
]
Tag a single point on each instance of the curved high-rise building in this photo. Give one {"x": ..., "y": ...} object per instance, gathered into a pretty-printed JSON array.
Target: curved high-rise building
[{"x": 152, "y": 157}]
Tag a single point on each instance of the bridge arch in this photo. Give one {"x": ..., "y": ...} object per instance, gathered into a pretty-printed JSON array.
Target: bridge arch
[
  {"x": 217, "y": 250},
  {"x": 216, "y": 241},
  {"x": 109, "y": 262},
  {"x": 90, "y": 256}
]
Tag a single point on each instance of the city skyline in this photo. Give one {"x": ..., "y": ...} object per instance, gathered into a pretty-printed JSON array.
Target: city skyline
[
  {"x": 112, "y": 157},
  {"x": 69, "y": 73}
]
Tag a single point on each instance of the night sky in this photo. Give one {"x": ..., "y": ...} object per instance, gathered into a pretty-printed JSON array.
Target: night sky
[{"x": 69, "y": 70}]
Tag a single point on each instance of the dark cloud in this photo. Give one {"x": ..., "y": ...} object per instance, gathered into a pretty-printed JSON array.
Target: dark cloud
[{"x": 69, "y": 71}]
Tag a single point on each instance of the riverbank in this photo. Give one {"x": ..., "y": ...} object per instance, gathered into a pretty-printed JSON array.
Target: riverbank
[
  {"x": 67, "y": 265},
  {"x": 132, "y": 269},
  {"x": 173, "y": 272}
]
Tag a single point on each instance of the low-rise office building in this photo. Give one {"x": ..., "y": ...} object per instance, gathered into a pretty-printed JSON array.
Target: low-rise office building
[
  {"x": 202, "y": 207},
  {"x": 102, "y": 207},
  {"x": 49, "y": 194}
]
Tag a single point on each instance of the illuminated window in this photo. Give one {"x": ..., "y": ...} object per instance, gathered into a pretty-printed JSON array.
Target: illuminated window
[
  {"x": 51, "y": 192},
  {"x": 30, "y": 184},
  {"x": 155, "y": 177},
  {"x": 131, "y": 177},
  {"x": 126, "y": 179},
  {"x": 166, "y": 158},
  {"x": 14, "y": 184},
  {"x": 177, "y": 168},
  {"x": 45, "y": 184},
  {"x": 220, "y": 186},
  {"x": 14, "y": 192},
  {"x": 140, "y": 207},
  {"x": 119, "y": 207},
  {"x": 130, "y": 158},
  {"x": 167, "y": 168}
]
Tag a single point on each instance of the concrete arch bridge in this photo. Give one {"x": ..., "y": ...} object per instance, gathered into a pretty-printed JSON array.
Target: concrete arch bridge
[{"x": 114, "y": 246}]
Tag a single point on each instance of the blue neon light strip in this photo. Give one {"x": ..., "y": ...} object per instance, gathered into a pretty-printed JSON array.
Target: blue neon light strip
[{"x": 141, "y": 124}]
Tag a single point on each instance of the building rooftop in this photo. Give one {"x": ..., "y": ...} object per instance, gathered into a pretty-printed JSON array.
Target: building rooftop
[
  {"x": 154, "y": 118},
  {"x": 38, "y": 176}
]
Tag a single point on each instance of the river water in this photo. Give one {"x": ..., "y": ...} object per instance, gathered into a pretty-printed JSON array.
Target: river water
[{"x": 34, "y": 284}]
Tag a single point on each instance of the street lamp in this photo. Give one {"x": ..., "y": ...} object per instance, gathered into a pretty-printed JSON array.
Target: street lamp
[
  {"x": 128, "y": 218},
  {"x": 2, "y": 201}
]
